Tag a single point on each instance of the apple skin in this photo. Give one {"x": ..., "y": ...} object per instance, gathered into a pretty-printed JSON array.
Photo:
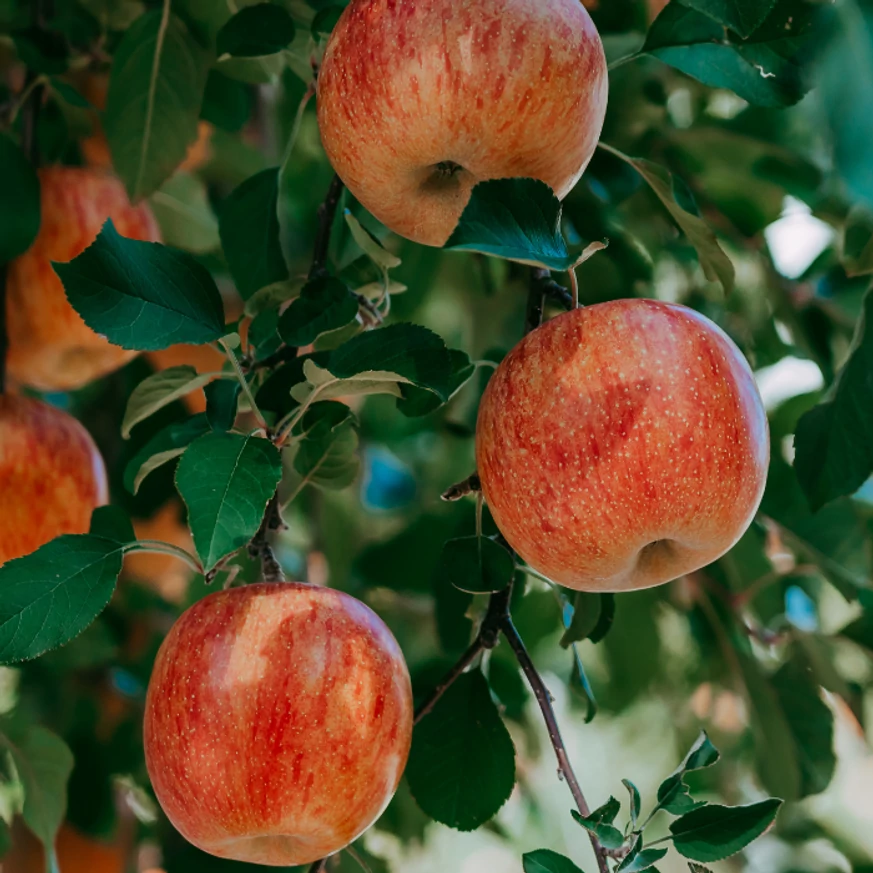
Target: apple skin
[
  {"x": 52, "y": 476},
  {"x": 622, "y": 445},
  {"x": 499, "y": 88},
  {"x": 278, "y": 722},
  {"x": 50, "y": 347}
]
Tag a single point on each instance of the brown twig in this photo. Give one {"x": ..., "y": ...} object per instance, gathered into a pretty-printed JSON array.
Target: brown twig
[
  {"x": 471, "y": 485},
  {"x": 260, "y": 548},
  {"x": 326, "y": 214}
]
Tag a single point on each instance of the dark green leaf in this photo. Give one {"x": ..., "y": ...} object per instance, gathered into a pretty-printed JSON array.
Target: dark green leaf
[
  {"x": 222, "y": 397},
  {"x": 462, "y": 766},
  {"x": 516, "y": 219},
  {"x": 19, "y": 201},
  {"x": 477, "y": 565},
  {"x": 326, "y": 451},
  {"x": 162, "y": 448},
  {"x": 643, "y": 860},
  {"x": 635, "y": 801},
  {"x": 579, "y": 682},
  {"x": 766, "y": 69},
  {"x": 43, "y": 762},
  {"x": 834, "y": 440},
  {"x": 112, "y": 523},
  {"x": 607, "y": 617},
  {"x": 324, "y": 304},
  {"x": 741, "y": 16},
  {"x": 584, "y": 616},
  {"x": 418, "y": 401},
  {"x": 226, "y": 481},
  {"x": 860, "y": 631},
  {"x": 599, "y": 823},
  {"x": 715, "y": 263},
  {"x": 547, "y": 861},
  {"x": 715, "y": 832},
  {"x": 698, "y": 868},
  {"x": 249, "y": 227},
  {"x": 142, "y": 295},
  {"x": 858, "y": 243},
  {"x": 227, "y": 103},
  {"x": 673, "y": 793},
  {"x": 413, "y": 352},
  {"x": 325, "y": 20},
  {"x": 43, "y": 51},
  {"x": 69, "y": 94},
  {"x": 182, "y": 209},
  {"x": 507, "y": 683},
  {"x": 53, "y": 594},
  {"x": 254, "y": 31},
  {"x": 155, "y": 91}
]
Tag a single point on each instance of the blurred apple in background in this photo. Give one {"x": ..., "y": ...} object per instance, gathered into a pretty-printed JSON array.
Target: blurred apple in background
[
  {"x": 419, "y": 102},
  {"x": 278, "y": 722},
  {"x": 76, "y": 853},
  {"x": 50, "y": 347},
  {"x": 623, "y": 445},
  {"x": 51, "y": 475}
]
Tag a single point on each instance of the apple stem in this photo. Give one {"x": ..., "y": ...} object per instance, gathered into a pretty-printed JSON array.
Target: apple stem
[
  {"x": 260, "y": 548},
  {"x": 574, "y": 287},
  {"x": 536, "y": 298},
  {"x": 319, "y": 866}
]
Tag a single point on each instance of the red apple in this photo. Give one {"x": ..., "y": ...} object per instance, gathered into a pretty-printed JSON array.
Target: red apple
[
  {"x": 419, "y": 101},
  {"x": 50, "y": 347},
  {"x": 622, "y": 445},
  {"x": 51, "y": 475},
  {"x": 278, "y": 722}
]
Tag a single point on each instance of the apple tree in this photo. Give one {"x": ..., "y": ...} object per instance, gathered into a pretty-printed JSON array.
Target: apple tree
[{"x": 436, "y": 435}]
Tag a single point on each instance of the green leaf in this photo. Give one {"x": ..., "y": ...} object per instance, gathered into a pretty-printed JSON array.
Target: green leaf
[
  {"x": 716, "y": 265},
  {"x": 643, "y": 860},
  {"x": 142, "y": 295},
  {"x": 19, "y": 201},
  {"x": 590, "y": 617},
  {"x": 547, "y": 861},
  {"x": 507, "y": 683},
  {"x": 114, "y": 14},
  {"x": 182, "y": 209},
  {"x": 43, "y": 762},
  {"x": 698, "y": 868},
  {"x": 462, "y": 766},
  {"x": 373, "y": 249},
  {"x": 741, "y": 16},
  {"x": 53, "y": 594},
  {"x": 326, "y": 452},
  {"x": 248, "y": 224},
  {"x": 222, "y": 397},
  {"x": 811, "y": 723},
  {"x": 858, "y": 243},
  {"x": 476, "y": 565},
  {"x": 600, "y": 824},
  {"x": 227, "y": 103},
  {"x": 69, "y": 94},
  {"x": 255, "y": 31},
  {"x": 673, "y": 793},
  {"x": 155, "y": 90},
  {"x": 43, "y": 51},
  {"x": 158, "y": 391},
  {"x": 419, "y": 401},
  {"x": 226, "y": 481},
  {"x": 167, "y": 444},
  {"x": 635, "y": 801},
  {"x": 715, "y": 832},
  {"x": 767, "y": 69},
  {"x": 112, "y": 523},
  {"x": 860, "y": 631},
  {"x": 834, "y": 440},
  {"x": 325, "y": 20},
  {"x": 414, "y": 353},
  {"x": 579, "y": 682},
  {"x": 516, "y": 219},
  {"x": 324, "y": 304}
]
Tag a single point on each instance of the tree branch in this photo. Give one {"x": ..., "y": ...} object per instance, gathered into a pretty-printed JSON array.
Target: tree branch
[
  {"x": 260, "y": 548},
  {"x": 326, "y": 214},
  {"x": 544, "y": 699}
]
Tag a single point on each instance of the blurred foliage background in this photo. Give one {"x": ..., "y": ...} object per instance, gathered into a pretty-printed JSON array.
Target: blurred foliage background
[{"x": 769, "y": 649}]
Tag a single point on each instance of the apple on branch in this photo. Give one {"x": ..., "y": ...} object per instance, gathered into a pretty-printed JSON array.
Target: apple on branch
[
  {"x": 52, "y": 476},
  {"x": 622, "y": 445},
  {"x": 278, "y": 722},
  {"x": 417, "y": 102}
]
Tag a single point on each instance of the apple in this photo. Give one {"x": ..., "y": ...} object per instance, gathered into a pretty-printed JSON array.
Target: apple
[
  {"x": 50, "y": 347},
  {"x": 622, "y": 445},
  {"x": 417, "y": 102},
  {"x": 52, "y": 476},
  {"x": 278, "y": 722},
  {"x": 76, "y": 852}
]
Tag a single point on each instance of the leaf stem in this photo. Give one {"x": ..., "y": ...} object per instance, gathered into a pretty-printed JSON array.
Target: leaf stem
[
  {"x": 574, "y": 288},
  {"x": 241, "y": 377},
  {"x": 325, "y": 215},
  {"x": 162, "y": 548},
  {"x": 620, "y": 62}
]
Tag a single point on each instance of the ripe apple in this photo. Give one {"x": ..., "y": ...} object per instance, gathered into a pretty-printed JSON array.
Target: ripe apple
[
  {"x": 622, "y": 445},
  {"x": 417, "y": 102},
  {"x": 278, "y": 722},
  {"x": 50, "y": 347},
  {"x": 51, "y": 475}
]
